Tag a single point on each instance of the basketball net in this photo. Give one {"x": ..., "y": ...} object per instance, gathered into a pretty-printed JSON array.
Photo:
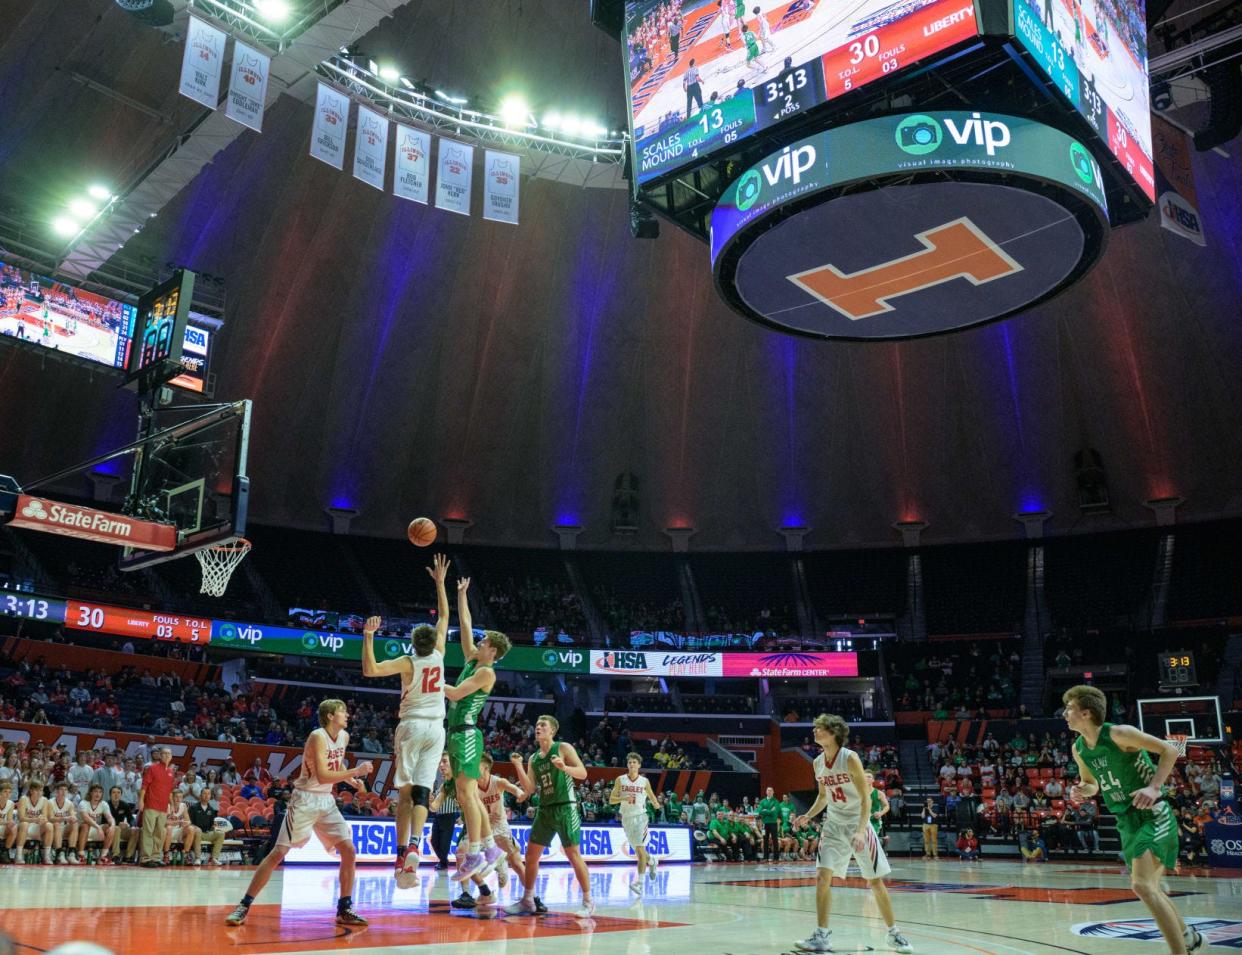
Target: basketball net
[
  {"x": 218, "y": 564},
  {"x": 1180, "y": 741}
]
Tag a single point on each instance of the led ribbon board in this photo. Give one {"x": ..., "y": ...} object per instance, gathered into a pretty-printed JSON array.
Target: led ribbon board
[{"x": 909, "y": 225}]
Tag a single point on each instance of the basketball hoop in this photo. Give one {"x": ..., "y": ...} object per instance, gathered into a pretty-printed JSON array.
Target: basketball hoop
[
  {"x": 219, "y": 562},
  {"x": 1180, "y": 741}
]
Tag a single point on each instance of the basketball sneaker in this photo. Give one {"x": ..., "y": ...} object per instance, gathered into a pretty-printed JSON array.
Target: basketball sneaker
[
  {"x": 820, "y": 941},
  {"x": 463, "y": 901},
  {"x": 540, "y": 908},
  {"x": 897, "y": 942},
  {"x": 522, "y": 906},
  {"x": 407, "y": 874},
  {"x": 492, "y": 856},
  {"x": 347, "y": 916},
  {"x": 586, "y": 910},
  {"x": 502, "y": 874},
  {"x": 636, "y": 885},
  {"x": 238, "y": 915},
  {"x": 469, "y": 865},
  {"x": 1194, "y": 941}
]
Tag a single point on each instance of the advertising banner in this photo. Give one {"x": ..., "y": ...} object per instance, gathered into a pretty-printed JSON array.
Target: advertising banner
[
  {"x": 776, "y": 665},
  {"x": 454, "y": 176},
  {"x": 87, "y": 523},
  {"x": 201, "y": 63},
  {"x": 1175, "y": 182},
  {"x": 331, "y": 121},
  {"x": 502, "y": 179},
  {"x": 1223, "y": 839},
  {"x": 371, "y": 147},
  {"x": 648, "y": 663},
  {"x": 248, "y": 86},
  {"x": 412, "y": 175},
  {"x": 375, "y": 841}
]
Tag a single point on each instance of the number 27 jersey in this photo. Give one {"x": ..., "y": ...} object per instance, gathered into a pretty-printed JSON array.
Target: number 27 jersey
[{"x": 843, "y": 802}]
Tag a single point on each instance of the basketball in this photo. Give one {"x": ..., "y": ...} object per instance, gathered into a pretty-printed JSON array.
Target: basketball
[{"x": 421, "y": 532}]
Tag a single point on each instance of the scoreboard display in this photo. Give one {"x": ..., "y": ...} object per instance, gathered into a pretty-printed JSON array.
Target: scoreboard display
[
  {"x": 159, "y": 331},
  {"x": 702, "y": 76},
  {"x": 1177, "y": 669},
  {"x": 141, "y": 624}
]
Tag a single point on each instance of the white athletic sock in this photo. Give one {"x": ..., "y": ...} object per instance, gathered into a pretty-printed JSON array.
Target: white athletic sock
[
  {"x": 488, "y": 842},
  {"x": 476, "y": 847}
]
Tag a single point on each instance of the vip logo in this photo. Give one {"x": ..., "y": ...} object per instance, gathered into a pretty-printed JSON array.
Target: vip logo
[
  {"x": 310, "y": 641},
  {"x": 36, "y": 510},
  {"x": 322, "y": 641},
  {"x": 1082, "y": 162},
  {"x": 789, "y": 165},
  {"x": 748, "y": 189},
  {"x": 989, "y": 133},
  {"x": 549, "y": 658},
  {"x": 918, "y": 135},
  {"x": 392, "y": 648},
  {"x": 957, "y": 249}
]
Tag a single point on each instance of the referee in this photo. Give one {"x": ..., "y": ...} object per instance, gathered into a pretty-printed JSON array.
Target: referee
[{"x": 446, "y": 816}]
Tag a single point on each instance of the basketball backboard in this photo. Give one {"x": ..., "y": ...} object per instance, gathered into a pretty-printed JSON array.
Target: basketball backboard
[{"x": 1198, "y": 718}]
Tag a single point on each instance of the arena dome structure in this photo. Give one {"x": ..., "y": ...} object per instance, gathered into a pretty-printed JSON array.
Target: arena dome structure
[{"x": 403, "y": 360}]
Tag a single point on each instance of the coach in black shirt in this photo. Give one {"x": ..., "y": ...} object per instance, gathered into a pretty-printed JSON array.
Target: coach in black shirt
[{"x": 127, "y": 832}]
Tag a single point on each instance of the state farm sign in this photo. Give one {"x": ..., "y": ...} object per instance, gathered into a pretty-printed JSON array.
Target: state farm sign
[{"x": 87, "y": 523}]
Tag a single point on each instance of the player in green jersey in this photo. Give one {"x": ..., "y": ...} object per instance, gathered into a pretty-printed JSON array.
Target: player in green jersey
[
  {"x": 879, "y": 805},
  {"x": 465, "y": 740},
  {"x": 551, "y": 776},
  {"x": 769, "y": 810},
  {"x": 1113, "y": 762}
]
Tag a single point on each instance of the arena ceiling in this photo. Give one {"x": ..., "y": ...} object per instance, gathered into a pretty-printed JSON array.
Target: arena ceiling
[{"x": 407, "y": 361}]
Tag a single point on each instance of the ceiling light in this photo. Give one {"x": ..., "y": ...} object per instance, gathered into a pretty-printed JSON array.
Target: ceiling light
[
  {"x": 571, "y": 125},
  {"x": 513, "y": 111},
  {"x": 552, "y": 120},
  {"x": 63, "y": 225},
  {"x": 82, "y": 208},
  {"x": 274, "y": 11},
  {"x": 389, "y": 72},
  {"x": 102, "y": 193}
]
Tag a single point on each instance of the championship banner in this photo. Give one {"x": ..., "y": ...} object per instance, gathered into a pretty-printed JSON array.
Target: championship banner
[
  {"x": 202, "y": 62},
  {"x": 1175, "y": 181},
  {"x": 454, "y": 176},
  {"x": 502, "y": 180},
  {"x": 248, "y": 86},
  {"x": 412, "y": 174},
  {"x": 375, "y": 841},
  {"x": 371, "y": 147},
  {"x": 328, "y": 133}
]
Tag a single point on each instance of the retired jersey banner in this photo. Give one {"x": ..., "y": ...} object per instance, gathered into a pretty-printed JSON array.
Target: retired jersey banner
[
  {"x": 331, "y": 119},
  {"x": 1175, "y": 181},
  {"x": 371, "y": 147},
  {"x": 412, "y": 172},
  {"x": 454, "y": 176},
  {"x": 248, "y": 86},
  {"x": 202, "y": 62},
  {"x": 500, "y": 198}
]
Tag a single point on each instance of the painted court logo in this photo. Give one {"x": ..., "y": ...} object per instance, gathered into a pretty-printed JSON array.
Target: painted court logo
[
  {"x": 1222, "y": 933},
  {"x": 748, "y": 188}
]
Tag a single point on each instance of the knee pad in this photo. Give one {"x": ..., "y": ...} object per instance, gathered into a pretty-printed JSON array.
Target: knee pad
[{"x": 420, "y": 796}]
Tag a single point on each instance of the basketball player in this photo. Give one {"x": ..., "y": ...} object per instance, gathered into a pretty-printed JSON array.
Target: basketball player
[
  {"x": 179, "y": 832},
  {"x": 879, "y": 807},
  {"x": 312, "y": 807},
  {"x": 8, "y": 819},
  {"x": 1113, "y": 762},
  {"x": 34, "y": 821},
  {"x": 492, "y": 789},
  {"x": 846, "y": 833},
  {"x": 64, "y": 816},
  {"x": 553, "y": 770},
  {"x": 95, "y": 824},
  {"x": 465, "y": 739},
  {"x": 752, "y": 50},
  {"x": 419, "y": 737},
  {"x": 765, "y": 32},
  {"x": 726, "y": 24},
  {"x": 631, "y": 791}
]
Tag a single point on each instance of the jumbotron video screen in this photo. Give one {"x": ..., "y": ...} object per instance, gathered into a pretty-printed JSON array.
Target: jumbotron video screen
[
  {"x": 703, "y": 74},
  {"x": 40, "y": 310},
  {"x": 1095, "y": 51}
]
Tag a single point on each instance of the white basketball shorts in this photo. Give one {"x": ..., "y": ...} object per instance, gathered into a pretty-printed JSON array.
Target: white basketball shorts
[
  {"x": 418, "y": 743},
  {"x": 836, "y": 848},
  {"x": 313, "y": 812}
]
